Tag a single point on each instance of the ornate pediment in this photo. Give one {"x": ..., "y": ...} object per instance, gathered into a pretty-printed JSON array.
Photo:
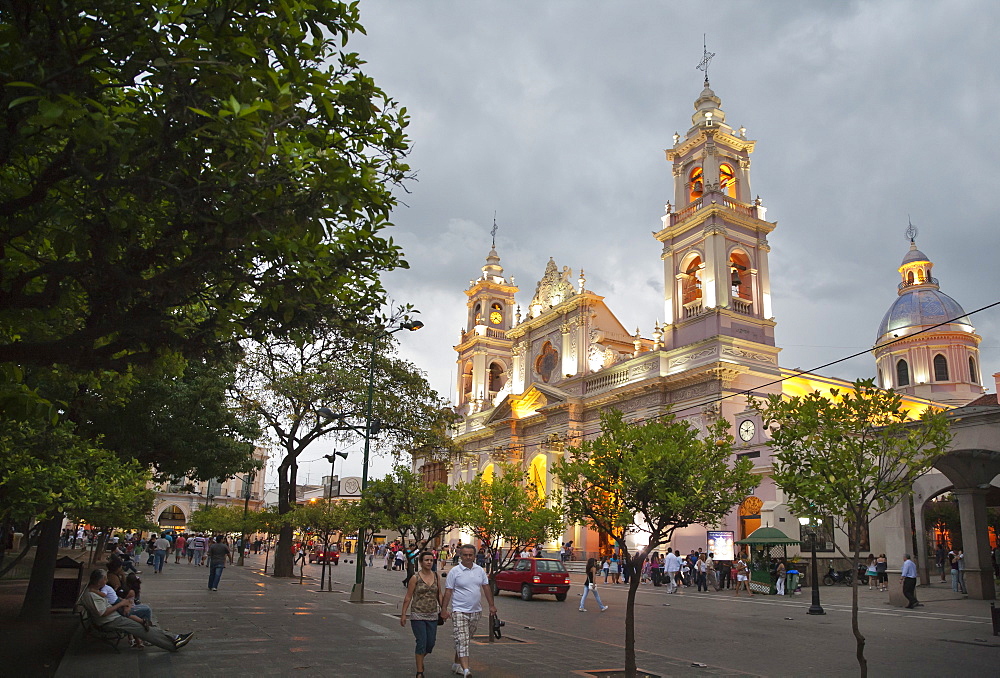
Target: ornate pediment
[
  {"x": 526, "y": 404},
  {"x": 554, "y": 288}
]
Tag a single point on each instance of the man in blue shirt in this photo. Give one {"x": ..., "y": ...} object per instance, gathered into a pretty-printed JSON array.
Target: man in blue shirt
[{"x": 908, "y": 576}]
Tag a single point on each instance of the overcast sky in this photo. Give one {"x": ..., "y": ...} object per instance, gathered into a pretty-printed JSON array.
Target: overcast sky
[{"x": 555, "y": 116}]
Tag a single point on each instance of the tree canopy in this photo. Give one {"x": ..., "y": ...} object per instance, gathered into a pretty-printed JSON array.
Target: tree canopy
[
  {"x": 652, "y": 478},
  {"x": 174, "y": 175},
  {"x": 508, "y": 513}
]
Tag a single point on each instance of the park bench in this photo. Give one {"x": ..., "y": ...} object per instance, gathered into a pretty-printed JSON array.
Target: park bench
[{"x": 109, "y": 636}]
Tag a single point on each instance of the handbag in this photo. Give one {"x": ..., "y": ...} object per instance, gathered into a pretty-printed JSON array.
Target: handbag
[{"x": 440, "y": 620}]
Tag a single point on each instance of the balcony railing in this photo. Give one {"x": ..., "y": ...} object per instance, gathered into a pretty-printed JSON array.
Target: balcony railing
[
  {"x": 743, "y": 306},
  {"x": 735, "y": 205},
  {"x": 926, "y": 281}
]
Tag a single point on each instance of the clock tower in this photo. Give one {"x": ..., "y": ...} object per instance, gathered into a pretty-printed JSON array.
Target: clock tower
[{"x": 484, "y": 350}]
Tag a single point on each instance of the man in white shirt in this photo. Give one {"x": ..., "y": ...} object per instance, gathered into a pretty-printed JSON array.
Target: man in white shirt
[
  {"x": 464, "y": 588},
  {"x": 160, "y": 547},
  {"x": 672, "y": 566},
  {"x": 908, "y": 575}
]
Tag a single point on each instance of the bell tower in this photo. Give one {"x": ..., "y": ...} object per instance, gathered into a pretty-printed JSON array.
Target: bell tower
[
  {"x": 714, "y": 236},
  {"x": 485, "y": 353}
]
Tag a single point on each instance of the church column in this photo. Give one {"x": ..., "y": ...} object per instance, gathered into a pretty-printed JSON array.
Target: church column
[
  {"x": 519, "y": 368},
  {"x": 479, "y": 378},
  {"x": 669, "y": 285},
  {"x": 976, "y": 542},
  {"x": 764, "y": 280},
  {"x": 569, "y": 361},
  {"x": 715, "y": 278},
  {"x": 923, "y": 559}
]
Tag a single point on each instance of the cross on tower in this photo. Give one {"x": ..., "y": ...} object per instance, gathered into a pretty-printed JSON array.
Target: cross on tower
[
  {"x": 494, "y": 231},
  {"x": 706, "y": 58}
]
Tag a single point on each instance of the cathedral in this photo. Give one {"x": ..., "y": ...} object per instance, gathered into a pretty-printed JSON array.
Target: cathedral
[{"x": 533, "y": 380}]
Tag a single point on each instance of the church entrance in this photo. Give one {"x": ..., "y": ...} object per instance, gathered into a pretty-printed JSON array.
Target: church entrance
[{"x": 750, "y": 515}]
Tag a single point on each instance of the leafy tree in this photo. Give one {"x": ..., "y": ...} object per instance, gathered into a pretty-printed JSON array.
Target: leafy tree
[
  {"x": 174, "y": 175},
  {"x": 285, "y": 384},
  {"x": 652, "y": 478},
  {"x": 326, "y": 518},
  {"x": 853, "y": 455},
  {"x": 420, "y": 514},
  {"x": 124, "y": 501},
  {"x": 507, "y": 513}
]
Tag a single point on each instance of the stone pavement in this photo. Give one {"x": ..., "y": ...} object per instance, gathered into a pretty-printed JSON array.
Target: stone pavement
[{"x": 271, "y": 627}]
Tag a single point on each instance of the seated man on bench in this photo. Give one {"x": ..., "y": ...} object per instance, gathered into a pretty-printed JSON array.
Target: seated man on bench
[{"x": 106, "y": 616}]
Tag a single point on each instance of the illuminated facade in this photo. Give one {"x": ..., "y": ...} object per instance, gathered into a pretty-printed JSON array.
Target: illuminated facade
[{"x": 532, "y": 384}]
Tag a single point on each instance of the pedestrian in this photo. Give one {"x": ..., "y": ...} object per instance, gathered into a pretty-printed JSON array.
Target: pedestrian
[
  {"x": 940, "y": 556},
  {"x": 953, "y": 560},
  {"x": 671, "y": 567},
  {"x": 724, "y": 568},
  {"x": 655, "y": 569},
  {"x": 179, "y": 548},
  {"x": 590, "y": 587},
  {"x": 701, "y": 573},
  {"x": 160, "y": 548},
  {"x": 882, "y": 569},
  {"x": 464, "y": 588},
  {"x": 713, "y": 576},
  {"x": 424, "y": 599},
  {"x": 217, "y": 554},
  {"x": 199, "y": 544},
  {"x": 870, "y": 572},
  {"x": 908, "y": 577},
  {"x": 742, "y": 576},
  {"x": 782, "y": 572},
  {"x": 400, "y": 561},
  {"x": 614, "y": 565},
  {"x": 105, "y": 615},
  {"x": 961, "y": 572},
  {"x": 606, "y": 567}
]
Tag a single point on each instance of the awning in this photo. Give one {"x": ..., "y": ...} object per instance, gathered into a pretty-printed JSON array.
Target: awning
[{"x": 767, "y": 535}]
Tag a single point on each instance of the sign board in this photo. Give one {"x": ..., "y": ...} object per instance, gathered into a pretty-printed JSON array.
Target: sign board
[
  {"x": 721, "y": 544},
  {"x": 350, "y": 487}
]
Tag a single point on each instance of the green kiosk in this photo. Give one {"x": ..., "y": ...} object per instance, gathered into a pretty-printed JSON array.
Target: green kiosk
[{"x": 765, "y": 544}]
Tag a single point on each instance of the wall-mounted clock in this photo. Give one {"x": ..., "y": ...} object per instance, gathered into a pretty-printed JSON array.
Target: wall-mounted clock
[{"x": 747, "y": 429}]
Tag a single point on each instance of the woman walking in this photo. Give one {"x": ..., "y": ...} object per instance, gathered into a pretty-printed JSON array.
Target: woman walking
[
  {"x": 615, "y": 567},
  {"x": 590, "y": 588},
  {"x": 871, "y": 574},
  {"x": 742, "y": 576},
  {"x": 424, "y": 592},
  {"x": 605, "y": 567}
]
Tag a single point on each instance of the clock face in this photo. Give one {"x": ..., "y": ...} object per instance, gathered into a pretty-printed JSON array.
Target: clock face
[
  {"x": 496, "y": 317},
  {"x": 747, "y": 429},
  {"x": 351, "y": 486}
]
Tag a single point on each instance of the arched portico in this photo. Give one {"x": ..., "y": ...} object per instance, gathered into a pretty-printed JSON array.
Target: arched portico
[{"x": 973, "y": 467}]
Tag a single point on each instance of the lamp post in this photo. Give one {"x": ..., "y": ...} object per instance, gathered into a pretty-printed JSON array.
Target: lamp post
[
  {"x": 247, "y": 485},
  {"x": 358, "y": 591},
  {"x": 332, "y": 458},
  {"x": 815, "y": 608}
]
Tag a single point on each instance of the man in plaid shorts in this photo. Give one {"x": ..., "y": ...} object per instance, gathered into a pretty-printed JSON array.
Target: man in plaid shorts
[{"x": 464, "y": 588}]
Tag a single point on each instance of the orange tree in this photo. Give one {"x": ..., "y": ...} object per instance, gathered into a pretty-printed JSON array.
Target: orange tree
[{"x": 654, "y": 478}]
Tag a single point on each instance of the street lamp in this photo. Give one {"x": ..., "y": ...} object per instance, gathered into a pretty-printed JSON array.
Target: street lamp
[
  {"x": 358, "y": 591},
  {"x": 332, "y": 458},
  {"x": 815, "y": 608},
  {"x": 247, "y": 485}
]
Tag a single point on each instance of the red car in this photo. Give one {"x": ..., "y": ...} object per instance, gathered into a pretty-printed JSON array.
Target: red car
[
  {"x": 533, "y": 576},
  {"x": 318, "y": 555}
]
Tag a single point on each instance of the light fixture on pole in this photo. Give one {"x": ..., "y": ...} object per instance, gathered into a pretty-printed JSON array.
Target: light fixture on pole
[
  {"x": 372, "y": 427},
  {"x": 332, "y": 458},
  {"x": 815, "y": 608}
]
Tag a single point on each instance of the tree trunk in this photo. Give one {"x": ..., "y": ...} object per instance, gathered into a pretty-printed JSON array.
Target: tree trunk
[
  {"x": 283, "y": 565},
  {"x": 38, "y": 596},
  {"x": 862, "y": 662},
  {"x": 633, "y": 586}
]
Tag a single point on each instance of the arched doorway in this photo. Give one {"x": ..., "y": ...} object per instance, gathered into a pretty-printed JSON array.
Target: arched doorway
[
  {"x": 172, "y": 516},
  {"x": 750, "y": 515}
]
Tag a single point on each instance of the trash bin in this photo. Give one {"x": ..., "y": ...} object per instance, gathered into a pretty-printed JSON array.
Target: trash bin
[
  {"x": 66, "y": 583},
  {"x": 792, "y": 582}
]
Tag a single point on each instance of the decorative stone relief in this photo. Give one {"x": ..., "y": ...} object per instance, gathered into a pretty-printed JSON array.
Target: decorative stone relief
[
  {"x": 681, "y": 360},
  {"x": 554, "y": 288},
  {"x": 749, "y": 355}
]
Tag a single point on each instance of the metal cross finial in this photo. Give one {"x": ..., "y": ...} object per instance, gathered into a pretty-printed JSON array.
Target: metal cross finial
[
  {"x": 911, "y": 230},
  {"x": 494, "y": 231},
  {"x": 706, "y": 58}
]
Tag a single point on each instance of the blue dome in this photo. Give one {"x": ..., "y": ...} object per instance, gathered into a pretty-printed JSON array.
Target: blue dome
[{"x": 921, "y": 307}]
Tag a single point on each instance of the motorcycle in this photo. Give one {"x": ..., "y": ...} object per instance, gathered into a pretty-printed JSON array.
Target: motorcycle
[{"x": 845, "y": 577}]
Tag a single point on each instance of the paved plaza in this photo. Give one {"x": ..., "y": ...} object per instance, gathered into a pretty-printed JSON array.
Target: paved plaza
[{"x": 270, "y": 627}]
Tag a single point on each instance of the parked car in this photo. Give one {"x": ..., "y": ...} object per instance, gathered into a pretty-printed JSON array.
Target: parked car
[
  {"x": 320, "y": 555},
  {"x": 533, "y": 576}
]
